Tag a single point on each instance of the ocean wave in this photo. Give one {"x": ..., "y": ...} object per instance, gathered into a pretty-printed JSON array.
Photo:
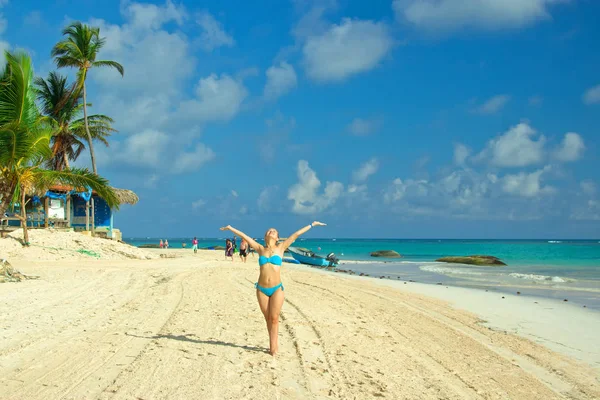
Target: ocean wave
[
  {"x": 545, "y": 278},
  {"x": 554, "y": 241},
  {"x": 448, "y": 270}
]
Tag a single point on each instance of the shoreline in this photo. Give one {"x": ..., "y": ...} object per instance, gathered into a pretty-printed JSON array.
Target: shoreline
[{"x": 585, "y": 293}]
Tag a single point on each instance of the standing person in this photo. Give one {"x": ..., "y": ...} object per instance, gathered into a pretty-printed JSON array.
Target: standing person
[
  {"x": 166, "y": 244},
  {"x": 228, "y": 249},
  {"x": 234, "y": 243},
  {"x": 195, "y": 245},
  {"x": 243, "y": 250},
  {"x": 161, "y": 244},
  {"x": 270, "y": 298}
]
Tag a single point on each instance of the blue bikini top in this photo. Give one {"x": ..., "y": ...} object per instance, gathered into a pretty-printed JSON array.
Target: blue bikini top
[{"x": 274, "y": 259}]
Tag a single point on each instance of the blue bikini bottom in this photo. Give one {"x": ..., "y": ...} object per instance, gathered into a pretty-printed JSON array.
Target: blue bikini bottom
[{"x": 268, "y": 291}]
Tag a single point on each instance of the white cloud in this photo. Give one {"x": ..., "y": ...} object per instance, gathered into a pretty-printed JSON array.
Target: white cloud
[
  {"x": 198, "y": 204},
  {"x": 234, "y": 193},
  {"x": 281, "y": 79},
  {"x": 144, "y": 149},
  {"x": 157, "y": 64},
  {"x": 461, "y": 153},
  {"x": 150, "y": 16},
  {"x": 265, "y": 200},
  {"x": 312, "y": 22},
  {"x": 588, "y": 187},
  {"x": 515, "y": 148},
  {"x": 352, "y": 47},
  {"x": 452, "y": 15},
  {"x": 213, "y": 35},
  {"x": 526, "y": 185},
  {"x": 493, "y": 105},
  {"x": 571, "y": 148},
  {"x": 468, "y": 194},
  {"x": 592, "y": 95},
  {"x": 191, "y": 161},
  {"x": 149, "y": 148},
  {"x": 366, "y": 170},
  {"x": 305, "y": 194},
  {"x": 218, "y": 99},
  {"x": 363, "y": 127},
  {"x": 357, "y": 188}
]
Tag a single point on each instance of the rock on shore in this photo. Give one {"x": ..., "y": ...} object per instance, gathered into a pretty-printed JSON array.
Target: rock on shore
[
  {"x": 386, "y": 253},
  {"x": 473, "y": 260}
]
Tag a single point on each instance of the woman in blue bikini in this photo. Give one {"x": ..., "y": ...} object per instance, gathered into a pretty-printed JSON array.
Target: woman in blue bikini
[{"x": 270, "y": 298}]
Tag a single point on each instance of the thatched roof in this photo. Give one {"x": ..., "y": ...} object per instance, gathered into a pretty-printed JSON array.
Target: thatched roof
[{"x": 126, "y": 196}]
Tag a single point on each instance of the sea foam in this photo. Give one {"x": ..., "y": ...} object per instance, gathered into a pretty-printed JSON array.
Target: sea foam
[
  {"x": 447, "y": 270},
  {"x": 533, "y": 277}
]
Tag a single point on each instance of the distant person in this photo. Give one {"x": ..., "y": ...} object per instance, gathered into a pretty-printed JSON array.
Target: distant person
[
  {"x": 270, "y": 298},
  {"x": 183, "y": 245},
  {"x": 166, "y": 244},
  {"x": 234, "y": 243},
  {"x": 195, "y": 244},
  {"x": 243, "y": 250},
  {"x": 228, "y": 249},
  {"x": 161, "y": 244}
]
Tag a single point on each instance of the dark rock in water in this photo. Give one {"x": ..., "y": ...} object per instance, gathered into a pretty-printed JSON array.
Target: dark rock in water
[
  {"x": 473, "y": 260},
  {"x": 149, "y": 246},
  {"x": 386, "y": 253},
  {"x": 215, "y": 248}
]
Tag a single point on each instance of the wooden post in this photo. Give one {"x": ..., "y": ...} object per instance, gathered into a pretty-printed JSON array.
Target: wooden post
[
  {"x": 93, "y": 217},
  {"x": 68, "y": 210},
  {"x": 87, "y": 215},
  {"x": 46, "y": 201}
]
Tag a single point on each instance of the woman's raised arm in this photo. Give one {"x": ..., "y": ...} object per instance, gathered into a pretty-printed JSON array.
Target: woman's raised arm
[
  {"x": 256, "y": 246},
  {"x": 288, "y": 242}
]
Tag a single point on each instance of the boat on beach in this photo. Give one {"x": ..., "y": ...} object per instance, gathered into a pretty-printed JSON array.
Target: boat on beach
[{"x": 306, "y": 256}]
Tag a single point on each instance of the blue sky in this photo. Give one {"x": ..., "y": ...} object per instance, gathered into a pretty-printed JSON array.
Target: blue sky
[{"x": 395, "y": 118}]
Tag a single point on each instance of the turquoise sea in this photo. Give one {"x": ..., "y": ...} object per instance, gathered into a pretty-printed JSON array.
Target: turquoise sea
[{"x": 561, "y": 269}]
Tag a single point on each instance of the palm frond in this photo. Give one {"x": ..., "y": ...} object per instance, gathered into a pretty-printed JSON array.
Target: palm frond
[
  {"x": 78, "y": 178},
  {"x": 110, "y": 64},
  {"x": 17, "y": 97}
]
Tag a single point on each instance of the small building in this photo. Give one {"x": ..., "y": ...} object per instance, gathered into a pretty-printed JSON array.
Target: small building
[{"x": 62, "y": 207}]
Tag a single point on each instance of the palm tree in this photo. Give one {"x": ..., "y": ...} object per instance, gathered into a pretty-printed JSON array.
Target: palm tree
[
  {"x": 62, "y": 105},
  {"x": 25, "y": 144},
  {"x": 79, "y": 50}
]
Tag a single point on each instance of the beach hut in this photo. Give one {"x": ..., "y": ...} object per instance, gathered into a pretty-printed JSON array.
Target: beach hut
[{"x": 63, "y": 207}]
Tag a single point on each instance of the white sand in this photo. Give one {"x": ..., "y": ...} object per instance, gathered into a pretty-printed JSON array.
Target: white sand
[
  {"x": 190, "y": 328},
  {"x": 53, "y": 245}
]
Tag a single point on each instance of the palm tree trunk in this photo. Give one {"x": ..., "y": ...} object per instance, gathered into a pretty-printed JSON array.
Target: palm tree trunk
[
  {"x": 6, "y": 192},
  {"x": 66, "y": 160},
  {"x": 87, "y": 131},
  {"x": 24, "y": 218}
]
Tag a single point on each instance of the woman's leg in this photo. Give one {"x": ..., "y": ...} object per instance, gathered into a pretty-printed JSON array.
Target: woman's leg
[
  {"x": 275, "y": 304},
  {"x": 263, "y": 303}
]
